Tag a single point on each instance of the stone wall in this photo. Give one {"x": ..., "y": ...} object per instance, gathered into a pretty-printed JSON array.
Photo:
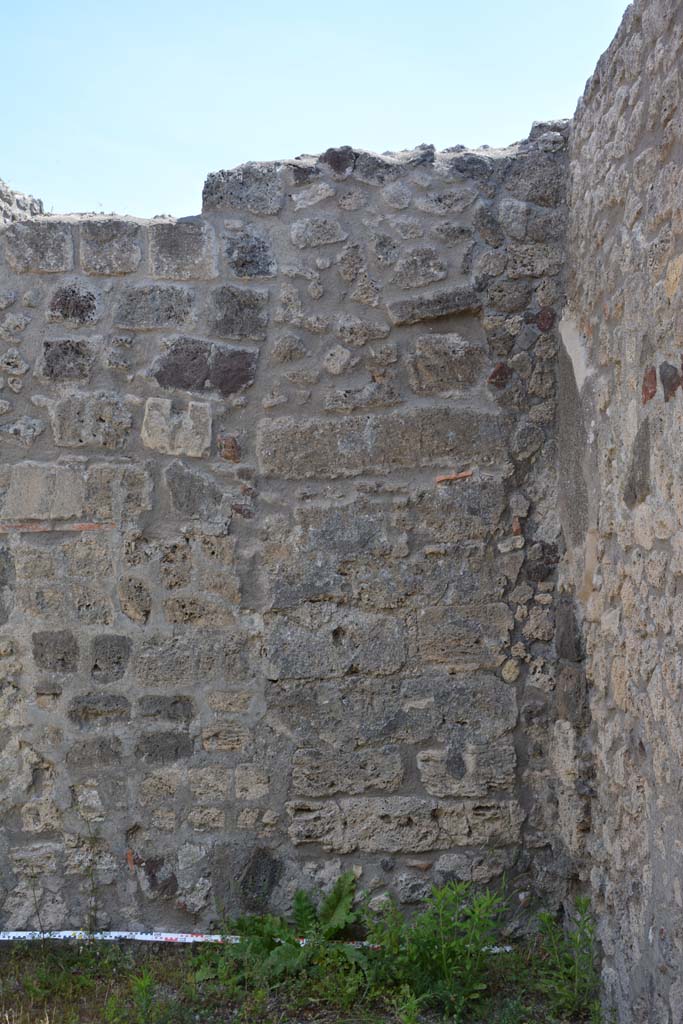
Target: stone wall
[
  {"x": 621, "y": 428},
  {"x": 16, "y": 206},
  {"x": 279, "y": 539}
]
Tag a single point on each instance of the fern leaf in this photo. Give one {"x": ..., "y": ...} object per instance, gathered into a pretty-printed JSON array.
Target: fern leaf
[
  {"x": 287, "y": 958},
  {"x": 305, "y": 914},
  {"x": 336, "y": 910}
]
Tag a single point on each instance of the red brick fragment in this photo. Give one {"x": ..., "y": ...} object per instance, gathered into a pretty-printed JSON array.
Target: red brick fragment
[
  {"x": 448, "y": 477},
  {"x": 649, "y": 384},
  {"x": 50, "y": 526},
  {"x": 545, "y": 319},
  {"x": 500, "y": 375},
  {"x": 229, "y": 448}
]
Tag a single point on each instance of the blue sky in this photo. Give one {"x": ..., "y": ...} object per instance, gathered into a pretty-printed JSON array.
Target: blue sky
[{"x": 126, "y": 105}]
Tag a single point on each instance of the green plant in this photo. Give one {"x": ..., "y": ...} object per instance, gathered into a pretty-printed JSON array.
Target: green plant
[
  {"x": 142, "y": 991},
  {"x": 301, "y": 958},
  {"x": 567, "y": 969},
  {"x": 114, "y": 1011},
  {"x": 514, "y": 1011},
  {"x": 443, "y": 954},
  {"x": 406, "y": 1005},
  {"x": 333, "y": 917}
]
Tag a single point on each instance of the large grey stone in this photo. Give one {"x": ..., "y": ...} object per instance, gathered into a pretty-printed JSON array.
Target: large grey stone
[
  {"x": 55, "y": 650},
  {"x": 145, "y": 307},
  {"x": 254, "y": 187},
  {"x": 441, "y": 362},
  {"x": 73, "y": 303},
  {"x": 239, "y": 313},
  {"x": 82, "y": 419},
  {"x": 109, "y": 657},
  {"x": 67, "y": 359},
  {"x": 297, "y": 449},
  {"x": 315, "y": 231},
  {"x": 433, "y": 305},
  {"x": 250, "y": 255},
  {"x": 182, "y": 249},
  {"x": 110, "y": 245},
  {"x": 39, "y": 246},
  {"x": 323, "y": 641}
]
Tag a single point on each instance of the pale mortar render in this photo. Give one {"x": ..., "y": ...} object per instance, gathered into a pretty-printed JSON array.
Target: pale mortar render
[{"x": 340, "y": 527}]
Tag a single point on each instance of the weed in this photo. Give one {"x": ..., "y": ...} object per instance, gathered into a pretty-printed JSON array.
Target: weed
[
  {"x": 406, "y": 1005},
  {"x": 567, "y": 971},
  {"x": 442, "y": 954},
  {"x": 435, "y": 966},
  {"x": 142, "y": 990}
]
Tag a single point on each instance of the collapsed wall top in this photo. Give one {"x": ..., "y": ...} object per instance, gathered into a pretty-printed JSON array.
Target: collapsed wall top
[
  {"x": 17, "y": 206},
  {"x": 260, "y": 188}
]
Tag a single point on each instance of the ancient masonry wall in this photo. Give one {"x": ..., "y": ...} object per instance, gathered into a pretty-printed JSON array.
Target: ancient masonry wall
[
  {"x": 621, "y": 433},
  {"x": 249, "y": 636}
]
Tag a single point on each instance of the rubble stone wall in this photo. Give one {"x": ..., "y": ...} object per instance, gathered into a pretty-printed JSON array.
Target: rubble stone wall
[
  {"x": 16, "y": 206},
  {"x": 278, "y": 540},
  {"x": 621, "y": 432}
]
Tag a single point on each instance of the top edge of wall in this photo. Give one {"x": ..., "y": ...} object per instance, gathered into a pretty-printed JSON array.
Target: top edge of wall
[
  {"x": 258, "y": 187},
  {"x": 17, "y": 206},
  {"x": 643, "y": 20}
]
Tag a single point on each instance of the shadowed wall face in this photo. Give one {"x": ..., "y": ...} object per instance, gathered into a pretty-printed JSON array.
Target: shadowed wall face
[
  {"x": 247, "y": 639},
  {"x": 624, "y": 324}
]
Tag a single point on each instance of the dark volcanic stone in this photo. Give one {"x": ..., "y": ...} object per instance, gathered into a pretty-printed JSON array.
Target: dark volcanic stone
[
  {"x": 193, "y": 365},
  {"x": 232, "y": 369},
  {"x": 258, "y": 879},
  {"x": 97, "y": 752},
  {"x": 192, "y": 494},
  {"x": 6, "y": 567},
  {"x": 250, "y": 255},
  {"x": 671, "y": 380},
  {"x": 174, "y": 709},
  {"x": 240, "y": 313},
  {"x": 67, "y": 360},
  {"x": 455, "y": 763},
  {"x": 56, "y": 651},
  {"x": 303, "y": 174},
  {"x": 162, "y": 880},
  {"x": 73, "y": 303},
  {"x": 472, "y": 166},
  {"x": 567, "y": 635},
  {"x": 110, "y": 654},
  {"x": 637, "y": 486},
  {"x": 488, "y": 226},
  {"x": 542, "y": 562},
  {"x": 89, "y": 708},
  {"x": 163, "y": 747},
  {"x": 374, "y": 170},
  {"x": 340, "y": 160},
  {"x": 185, "y": 365}
]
